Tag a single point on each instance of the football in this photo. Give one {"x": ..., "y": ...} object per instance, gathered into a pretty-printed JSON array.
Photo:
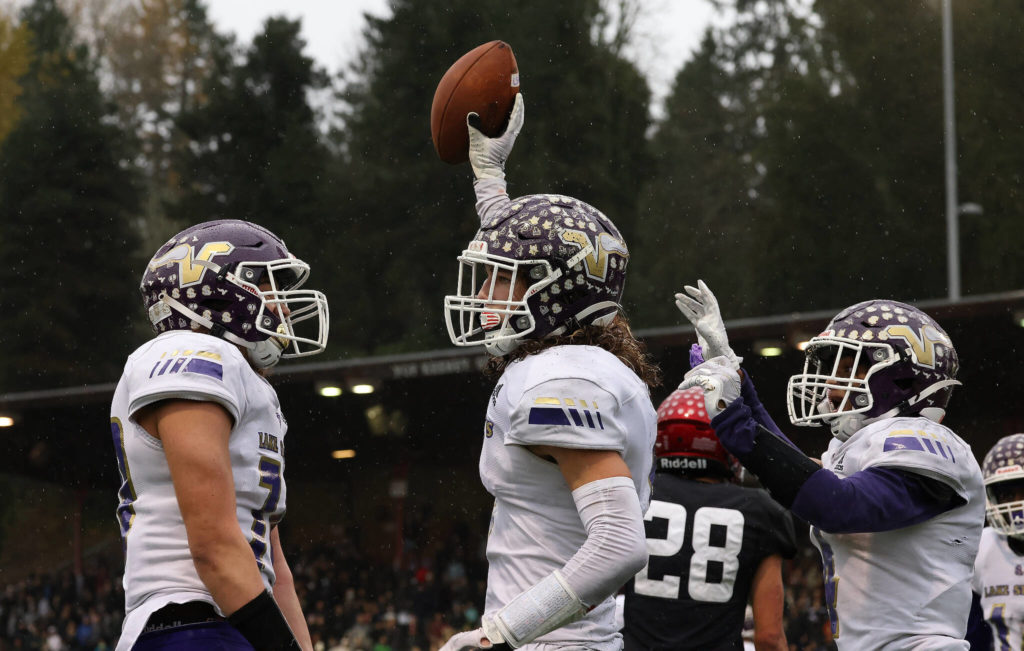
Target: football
[{"x": 484, "y": 81}]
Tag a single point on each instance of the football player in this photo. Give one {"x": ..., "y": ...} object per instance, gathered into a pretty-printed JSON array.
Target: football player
[
  {"x": 569, "y": 432},
  {"x": 999, "y": 568},
  {"x": 897, "y": 505},
  {"x": 199, "y": 441},
  {"x": 712, "y": 545}
]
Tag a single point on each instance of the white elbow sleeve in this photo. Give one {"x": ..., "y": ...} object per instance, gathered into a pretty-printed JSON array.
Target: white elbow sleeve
[
  {"x": 615, "y": 550},
  {"x": 491, "y": 197},
  {"x": 616, "y": 546}
]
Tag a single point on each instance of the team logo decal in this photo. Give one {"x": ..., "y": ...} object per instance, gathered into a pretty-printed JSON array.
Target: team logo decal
[
  {"x": 185, "y": 255},
  {"x": 922, "y": 343},
  {"x": 597, "y": 261}
]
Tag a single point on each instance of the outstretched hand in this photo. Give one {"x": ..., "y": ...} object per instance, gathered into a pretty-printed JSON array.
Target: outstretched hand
[
  {"x": 488, "y": 155},
  {"x": 720, "y": 382},
  {"x": 700, "y": 307}
]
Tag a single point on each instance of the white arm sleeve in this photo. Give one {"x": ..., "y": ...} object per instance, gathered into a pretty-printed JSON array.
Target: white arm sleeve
[
  {"x": 615, "y": 550},
  {"x": 491, "y": 198},
  {"x": 616, "y": 546}
]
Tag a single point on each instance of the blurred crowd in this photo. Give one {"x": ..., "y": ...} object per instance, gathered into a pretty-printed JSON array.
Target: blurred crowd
[{"x": 351, "y": 604}]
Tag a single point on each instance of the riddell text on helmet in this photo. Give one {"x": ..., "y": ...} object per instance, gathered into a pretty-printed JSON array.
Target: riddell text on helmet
[{"x": 682, "y": 463}]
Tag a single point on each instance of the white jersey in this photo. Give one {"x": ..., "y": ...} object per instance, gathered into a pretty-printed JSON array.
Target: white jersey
[
  {"x": 908, "y": 588},
  {"x": 193, "y": 366},
  {"x": 579, "y": 397},
  {"x": 999, "y": 581}
]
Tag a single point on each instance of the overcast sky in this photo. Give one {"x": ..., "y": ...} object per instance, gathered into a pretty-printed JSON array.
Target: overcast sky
[{"x": 669, "y": 31}]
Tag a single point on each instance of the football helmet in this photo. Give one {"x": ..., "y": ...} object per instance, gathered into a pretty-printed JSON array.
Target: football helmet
[
  {"x": 686, "y": 442},
  {"x": 905, "y": 360},
  {"x": 1003, "y": 472},
  {"x": 239, "y": 281},
  {"x": 564, "y": 256}
]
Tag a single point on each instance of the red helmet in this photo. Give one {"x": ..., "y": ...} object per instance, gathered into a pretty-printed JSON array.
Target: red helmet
[{"x": 686, "y": 441}]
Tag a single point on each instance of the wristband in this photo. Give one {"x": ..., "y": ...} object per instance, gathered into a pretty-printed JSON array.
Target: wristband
[
  {"x": 261, "y": 623},
  {"x": 546, "y": 606}
]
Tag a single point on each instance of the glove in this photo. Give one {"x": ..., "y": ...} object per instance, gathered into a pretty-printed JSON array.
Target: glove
[
  {"x": 485, "y": 637},
  {"x": 488, "y": 155},
  {"x": 720, "y": 381},
  {"x": 701, "y": 309}
]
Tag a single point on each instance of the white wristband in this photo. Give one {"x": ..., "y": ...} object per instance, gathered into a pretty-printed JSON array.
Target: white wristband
[{"x": 546, "y": 606}]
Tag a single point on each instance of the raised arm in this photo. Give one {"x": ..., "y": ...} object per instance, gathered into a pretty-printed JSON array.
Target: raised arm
[{"x": 488, "y": 156}]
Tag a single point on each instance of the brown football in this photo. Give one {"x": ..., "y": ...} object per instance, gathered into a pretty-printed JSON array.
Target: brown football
[{"x": 485, "y": 81}]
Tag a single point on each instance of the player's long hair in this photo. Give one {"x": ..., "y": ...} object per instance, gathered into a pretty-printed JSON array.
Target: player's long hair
[{"x": 616, "y": 337}]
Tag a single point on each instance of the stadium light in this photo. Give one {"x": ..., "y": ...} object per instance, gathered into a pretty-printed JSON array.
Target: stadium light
[
  {"x": 328, "y": 389},
  {"x": 363, "y": 388},
  {"x": 768, "y": 348},
  {"x": 6, "y": 421},
  {"x": 343, "y": 454}
]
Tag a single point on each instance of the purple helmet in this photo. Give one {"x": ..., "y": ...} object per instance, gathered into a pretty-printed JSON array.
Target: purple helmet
[
  {"x": 566, "y": 254},
  {"x": 907, "y": 360},
  {"x": 1003, "y": 471},
  {"x": 239, "y": 281}
]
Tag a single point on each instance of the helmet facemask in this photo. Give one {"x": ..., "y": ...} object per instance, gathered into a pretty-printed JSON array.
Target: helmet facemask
[
  {"x": 831, "y": 365},
  {"x": 568, "y": 260},
  {"x": 288, "y": 306},
  {"x": 1004, "y": 504},
  {"x": 497, "y": 323},
  {"x": 1003, "y": 473},
  {"x": 278, "y": 308}
]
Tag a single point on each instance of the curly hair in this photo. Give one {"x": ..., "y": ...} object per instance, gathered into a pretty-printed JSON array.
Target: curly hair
[{"x": 616, "y": 337}]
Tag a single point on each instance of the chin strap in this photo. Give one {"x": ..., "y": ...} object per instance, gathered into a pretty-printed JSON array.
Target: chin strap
[
  {"x": 262, "y": 354},
  {"x": 844, "y": 426}
]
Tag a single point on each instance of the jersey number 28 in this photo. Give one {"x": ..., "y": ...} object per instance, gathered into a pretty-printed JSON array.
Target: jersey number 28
[{"x": 704, "y": 552}]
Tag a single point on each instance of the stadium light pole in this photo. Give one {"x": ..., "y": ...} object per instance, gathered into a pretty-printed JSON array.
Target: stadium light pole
[{"x": 952, "y": 207}]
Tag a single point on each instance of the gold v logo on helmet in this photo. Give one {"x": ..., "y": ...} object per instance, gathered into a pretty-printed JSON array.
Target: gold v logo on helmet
[
  {"x": 923, "y": 346},
  {"x": 184, "y": 254},
  {"x": 597, "y": 261}
]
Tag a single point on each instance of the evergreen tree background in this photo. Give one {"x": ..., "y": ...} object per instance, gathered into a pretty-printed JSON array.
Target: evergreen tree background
[
  {"x": 796, "y": 165},
  {"x": 68, "y": 200}
]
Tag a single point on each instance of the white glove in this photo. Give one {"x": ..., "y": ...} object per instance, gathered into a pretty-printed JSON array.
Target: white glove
[
  {"x": 701, "y": 309},
  {"x": 720, "y": 381},
  {"x": 488, "y": 155},
  {"x": 485, "y": 637}
]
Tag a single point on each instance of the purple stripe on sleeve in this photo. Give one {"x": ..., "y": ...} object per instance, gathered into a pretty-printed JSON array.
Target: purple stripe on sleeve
[
  {"x": 164, "y": 369},
  {"x": 548, "y": 416},
  {"x": 904, "y": 443},
  {"x": 205, "y": 367},
  {"x": 576, "y": 417}
]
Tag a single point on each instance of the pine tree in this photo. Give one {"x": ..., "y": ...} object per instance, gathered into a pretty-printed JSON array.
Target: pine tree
[{"x": 68, "y": 285}]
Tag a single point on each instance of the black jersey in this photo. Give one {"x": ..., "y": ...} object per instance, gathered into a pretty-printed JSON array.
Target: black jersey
[{"x": 704, "y": 541}]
